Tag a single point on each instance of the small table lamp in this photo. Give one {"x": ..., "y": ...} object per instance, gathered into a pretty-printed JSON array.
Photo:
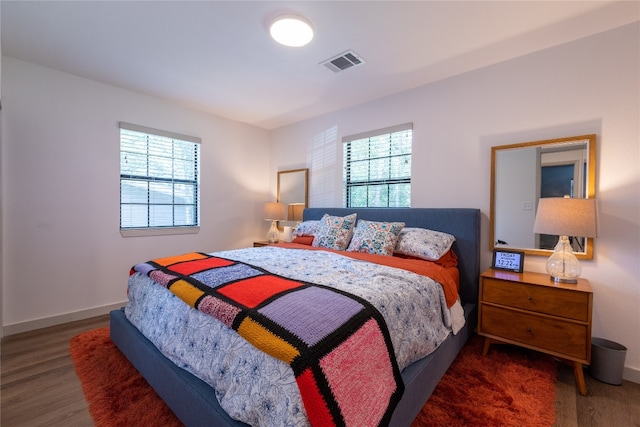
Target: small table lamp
[
  {"x": 274, "y": 212},
  {"x": 295, "y": 212},
  {"x": 565, "y": 217}
]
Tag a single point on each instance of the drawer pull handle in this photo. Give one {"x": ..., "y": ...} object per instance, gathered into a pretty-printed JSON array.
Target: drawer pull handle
[
  {"x": 529, "y": 330},
  {"x": 530, "y": 299}
]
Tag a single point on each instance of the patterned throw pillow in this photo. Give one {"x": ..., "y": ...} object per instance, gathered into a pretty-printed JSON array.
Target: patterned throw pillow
[
  {"x": 424, "y": 243},
  {"x": 375, "y": 237},
  {"x": 334, "y": 232},
  {"x": 306, "y": 228}
]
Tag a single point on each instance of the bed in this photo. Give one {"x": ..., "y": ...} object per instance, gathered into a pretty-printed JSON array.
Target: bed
[{"x": 194, "y": 401}]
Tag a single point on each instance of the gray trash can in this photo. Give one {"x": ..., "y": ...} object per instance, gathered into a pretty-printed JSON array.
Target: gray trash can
[{"x": 607, "y": 361}]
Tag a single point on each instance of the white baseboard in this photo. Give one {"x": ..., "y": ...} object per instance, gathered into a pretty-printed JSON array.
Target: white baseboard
[
  {"x": 631, "y": 374},
  {"x": 32, "y": 325}
]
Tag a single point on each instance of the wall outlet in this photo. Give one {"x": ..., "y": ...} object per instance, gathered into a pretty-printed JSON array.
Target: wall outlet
[{"x": 527, "y": 206}]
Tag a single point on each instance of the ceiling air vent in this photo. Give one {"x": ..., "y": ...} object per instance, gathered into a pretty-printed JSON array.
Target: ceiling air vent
[{"x": 343, "y": 61}]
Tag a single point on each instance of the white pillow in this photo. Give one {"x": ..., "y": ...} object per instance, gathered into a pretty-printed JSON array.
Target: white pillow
[
  {"x": 306, "y": 228},
  {"x": 424, "y": 243}
]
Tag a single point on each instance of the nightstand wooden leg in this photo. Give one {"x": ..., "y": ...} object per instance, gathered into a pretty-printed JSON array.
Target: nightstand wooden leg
[
  {"x": 579, "y": 374},
  {"x": 485, "y": 347}
]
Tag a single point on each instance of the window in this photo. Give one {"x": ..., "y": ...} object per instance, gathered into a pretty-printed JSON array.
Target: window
[
  {"x": 377, "y": 168},
  {"x": 159, "y": 181}
]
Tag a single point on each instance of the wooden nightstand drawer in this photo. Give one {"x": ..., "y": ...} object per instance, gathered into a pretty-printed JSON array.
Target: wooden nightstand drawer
[
  {"x": 542, "y": 332},
  {"x": 548, "y": 300}
]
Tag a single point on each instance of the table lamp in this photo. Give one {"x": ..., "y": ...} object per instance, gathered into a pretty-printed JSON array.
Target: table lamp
[
  {"x": 565, "y": 216},
  {"x": 295, "y": 211},
  {"x": 274, "y": 212}
]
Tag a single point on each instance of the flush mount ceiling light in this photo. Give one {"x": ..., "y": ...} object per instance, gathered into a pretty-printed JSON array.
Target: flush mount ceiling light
[{"x": 291, "y": 30}]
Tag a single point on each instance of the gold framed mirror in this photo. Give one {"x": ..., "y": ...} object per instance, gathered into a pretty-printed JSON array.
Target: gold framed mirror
[
  {"x": 293, "y": 192},
  {"x": 523, "y": 173}
]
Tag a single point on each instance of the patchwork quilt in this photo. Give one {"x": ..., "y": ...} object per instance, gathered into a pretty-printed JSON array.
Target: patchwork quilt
[{"x": 336, "y": 343}]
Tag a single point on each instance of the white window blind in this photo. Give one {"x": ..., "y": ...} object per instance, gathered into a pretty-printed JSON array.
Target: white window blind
[
  {"x": 377, "y": 168},
  {"x": 159, "y": 179}
]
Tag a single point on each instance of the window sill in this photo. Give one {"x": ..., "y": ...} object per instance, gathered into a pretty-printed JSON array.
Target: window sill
[{"x": 143, "y": 232}]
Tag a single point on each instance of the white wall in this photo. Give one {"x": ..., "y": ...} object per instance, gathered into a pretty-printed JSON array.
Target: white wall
[
  {"x": 63, "y": 255},
  {"x": 587, "y": 86}
]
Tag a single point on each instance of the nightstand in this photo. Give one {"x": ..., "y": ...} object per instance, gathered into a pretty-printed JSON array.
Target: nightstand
[
  {"x": 533, "y": 311},
  {"x": 261, "y": 243}
]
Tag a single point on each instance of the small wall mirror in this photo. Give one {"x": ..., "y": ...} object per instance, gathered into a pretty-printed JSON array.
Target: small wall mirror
[
  {"x": 292, "y": 191},
  {"x": 523, "y": 173}
]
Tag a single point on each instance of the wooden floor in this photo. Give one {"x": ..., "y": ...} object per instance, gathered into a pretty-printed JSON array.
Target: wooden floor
[
  {"x": 604, "y": 406},
  {"x": 39, "y": 384},
  {"x": 40, "y": 387}
]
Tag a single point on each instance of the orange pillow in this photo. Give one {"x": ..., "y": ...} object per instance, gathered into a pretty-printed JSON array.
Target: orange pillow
[{"x": 303, "y": 240}]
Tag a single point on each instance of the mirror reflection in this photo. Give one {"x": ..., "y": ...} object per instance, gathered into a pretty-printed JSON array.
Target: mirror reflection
[
  {"x": 292, "y": 191},
  {"x": 523, "y": 173}
]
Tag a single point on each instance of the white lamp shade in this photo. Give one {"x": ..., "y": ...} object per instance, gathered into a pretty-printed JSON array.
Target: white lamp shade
[
  {"x": 564, "y": 216},
  {"x": 274, "y": 211}
]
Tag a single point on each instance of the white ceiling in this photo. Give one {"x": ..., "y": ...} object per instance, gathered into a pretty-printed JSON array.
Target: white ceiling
[{"x": 217, "y": 56}]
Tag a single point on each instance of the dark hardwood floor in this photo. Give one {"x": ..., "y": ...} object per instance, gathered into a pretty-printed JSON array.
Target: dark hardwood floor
[
  {"x": 40, "y": 387},
  {"x": 604, "y": 406},
  {"x": 39, "y": 383}
]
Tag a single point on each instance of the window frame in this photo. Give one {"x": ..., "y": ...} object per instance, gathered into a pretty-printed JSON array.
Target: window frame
[
  {"x": 349, "y": 184},
  {"x": 170, "y": 229}
]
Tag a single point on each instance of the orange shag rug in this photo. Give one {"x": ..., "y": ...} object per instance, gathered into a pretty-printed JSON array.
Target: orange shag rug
[{"x": 509, "y": 387}]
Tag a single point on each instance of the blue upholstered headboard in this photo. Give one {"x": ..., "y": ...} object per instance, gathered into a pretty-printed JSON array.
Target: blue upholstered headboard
[{"x": 461, "y": 222}]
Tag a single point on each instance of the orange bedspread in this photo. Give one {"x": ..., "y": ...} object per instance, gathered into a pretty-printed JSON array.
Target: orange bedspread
[{"x": 443, "y": 271}]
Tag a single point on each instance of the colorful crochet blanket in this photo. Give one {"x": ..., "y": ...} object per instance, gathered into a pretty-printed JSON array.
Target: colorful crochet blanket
[{"x": 337, "y": 344}]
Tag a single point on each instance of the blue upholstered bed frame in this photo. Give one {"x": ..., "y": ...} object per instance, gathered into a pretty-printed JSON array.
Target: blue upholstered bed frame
[{"x": 194, "y": 402}]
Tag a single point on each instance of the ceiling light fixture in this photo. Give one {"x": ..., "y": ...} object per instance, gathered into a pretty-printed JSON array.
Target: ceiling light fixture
[{"x": 291, "y": 30}]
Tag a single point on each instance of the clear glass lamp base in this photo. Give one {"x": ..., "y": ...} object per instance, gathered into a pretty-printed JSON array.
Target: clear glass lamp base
[
  {"x": 562, "y": 265},
  {"x": 273, "y": 235}
]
